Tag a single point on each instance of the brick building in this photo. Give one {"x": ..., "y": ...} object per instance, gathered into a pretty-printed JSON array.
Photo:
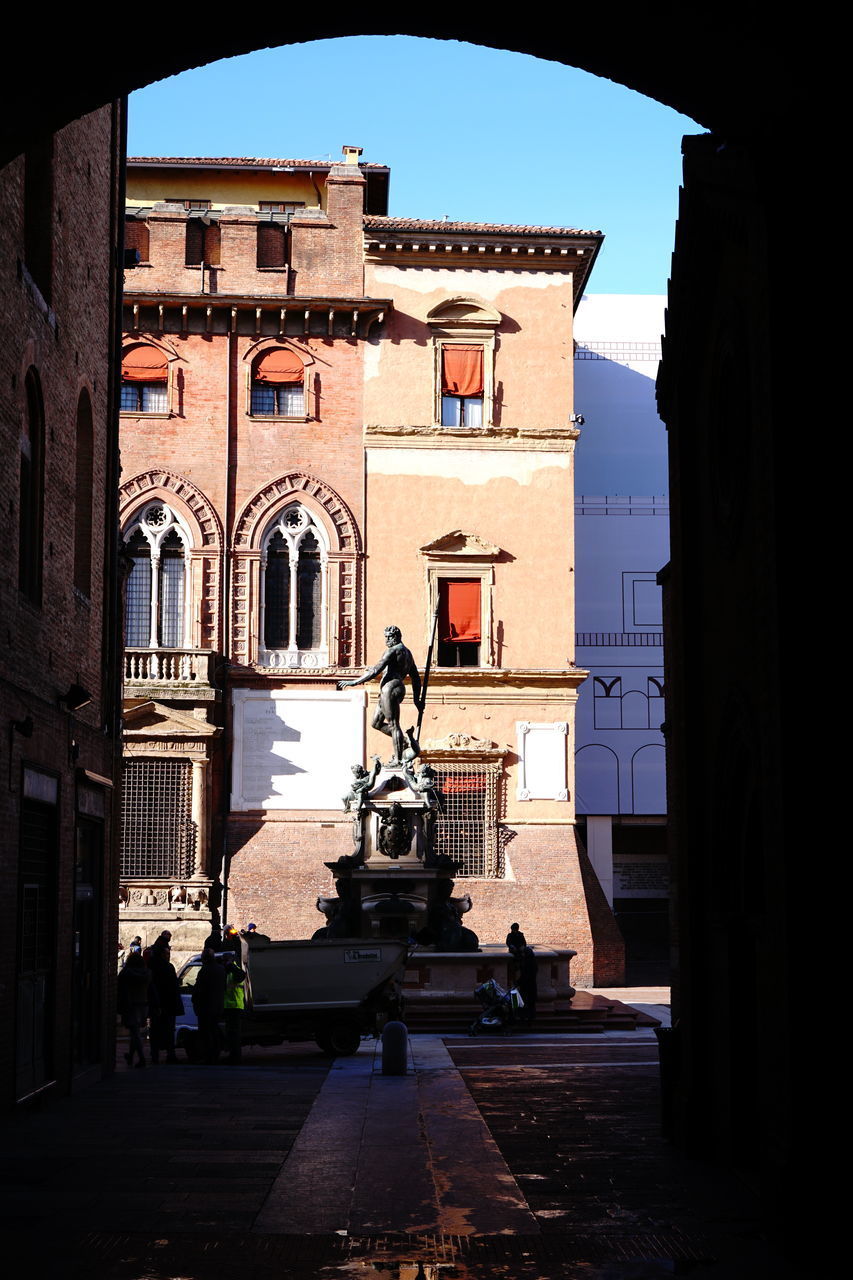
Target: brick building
[
  {"x": 59, "y": 669},
  {"x": 333, "y": 420}
]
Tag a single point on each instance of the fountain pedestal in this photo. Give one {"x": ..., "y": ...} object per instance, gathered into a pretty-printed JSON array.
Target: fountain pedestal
[{"x": 394, "y": 884}]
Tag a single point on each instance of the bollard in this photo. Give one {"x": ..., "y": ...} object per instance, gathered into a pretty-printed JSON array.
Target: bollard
[{"x": 395, "y": 1046}]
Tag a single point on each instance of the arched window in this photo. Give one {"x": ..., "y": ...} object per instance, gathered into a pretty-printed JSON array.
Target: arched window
[
  {"x": 155, "y": 609},
  {"x": 144, "y": 380},
  {"x": 293, "y": 618},
  {"x": 278, "y": 384}
]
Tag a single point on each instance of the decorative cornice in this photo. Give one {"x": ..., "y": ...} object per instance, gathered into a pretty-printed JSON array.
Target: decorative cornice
[
  {"x": 460, "y": 543},
  {"x": 443, "y": 681},
  {"x": 554, "y": 439}
]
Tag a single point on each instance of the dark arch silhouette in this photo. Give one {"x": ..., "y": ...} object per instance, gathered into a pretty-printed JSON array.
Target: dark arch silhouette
[
  {"x": 727, "y": 68},
  {"x": 721, "y": 68}
]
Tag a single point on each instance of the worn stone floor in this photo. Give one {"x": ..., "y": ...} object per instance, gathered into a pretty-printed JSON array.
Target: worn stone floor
[{"x": 532, "y": 1156}]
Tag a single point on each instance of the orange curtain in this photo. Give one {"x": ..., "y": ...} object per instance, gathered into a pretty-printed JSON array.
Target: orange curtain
[
  {"x": 459, "y": 611},
  {"x": 459, "y": 782},
  {"x": 279, "y": 365},
  {"x": 144, "y": 364},
  {"x": 462, "y": 370}
]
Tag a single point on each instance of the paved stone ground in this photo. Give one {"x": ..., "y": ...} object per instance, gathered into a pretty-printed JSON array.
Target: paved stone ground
[{"x": 286, "y": 1168}]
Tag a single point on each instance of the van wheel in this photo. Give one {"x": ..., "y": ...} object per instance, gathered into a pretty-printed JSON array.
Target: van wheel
[{"x": 339, "y": 1039}]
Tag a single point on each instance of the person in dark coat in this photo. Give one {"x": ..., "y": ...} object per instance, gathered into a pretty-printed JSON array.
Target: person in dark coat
[
  {"x": 515, "y": 940},
  {"x": 137, "y": 997},
  {"x": 209, "y": 1004},
  {"x": 165, "y": 979}
]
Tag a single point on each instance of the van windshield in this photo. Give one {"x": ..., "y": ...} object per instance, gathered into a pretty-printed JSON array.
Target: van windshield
[{"x": 189, "y": 975}]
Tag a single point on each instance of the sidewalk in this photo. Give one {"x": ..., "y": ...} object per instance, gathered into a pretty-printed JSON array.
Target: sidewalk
[{"x": 533, "y": 1157}]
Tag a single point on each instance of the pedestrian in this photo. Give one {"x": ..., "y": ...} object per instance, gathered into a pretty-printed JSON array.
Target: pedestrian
[
  {"x": 209, "y": 1004},
  {"x": 137, "y": 996},
  {"x": 235, "y": 1003},
  {"x": 165, "y": 979},
  {"x": 515, "y": 940},
  {"x": 231, "y": 941},
  {"x": 163, "y": 940}
]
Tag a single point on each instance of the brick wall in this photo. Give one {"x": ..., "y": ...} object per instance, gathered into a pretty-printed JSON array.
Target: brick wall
[
  {"x": 277, "y": 871},
  {"x": 63, "y": 332}
]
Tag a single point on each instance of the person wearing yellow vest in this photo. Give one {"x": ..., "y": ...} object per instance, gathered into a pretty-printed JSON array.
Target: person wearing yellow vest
[{"x": 235, "y": 1003}]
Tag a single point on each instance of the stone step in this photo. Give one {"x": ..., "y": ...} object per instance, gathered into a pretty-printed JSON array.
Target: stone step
[{"x": 586, "y": 1013}]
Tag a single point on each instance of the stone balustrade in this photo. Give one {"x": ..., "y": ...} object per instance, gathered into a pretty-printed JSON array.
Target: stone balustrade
[{"x": 167, "y": 666}]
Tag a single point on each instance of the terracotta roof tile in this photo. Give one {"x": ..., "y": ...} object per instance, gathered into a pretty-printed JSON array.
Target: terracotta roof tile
[
  {"x": 244, "y": 162},
  {"x": 374, "y": 222}
]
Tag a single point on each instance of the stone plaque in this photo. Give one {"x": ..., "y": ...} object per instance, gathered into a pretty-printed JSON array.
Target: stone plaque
[
  {"x": 294, "y": 749},
  {"x": 641, "y": 878}
]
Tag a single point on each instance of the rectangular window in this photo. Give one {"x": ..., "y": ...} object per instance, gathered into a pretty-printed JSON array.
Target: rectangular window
[
  {"x": 272, "y": 244},
  {"x": 459, "y": 622},
  {"x": 278, "y": 206},
  {"x": 461, "y": 411},
  {"x": 461, "y": 385},
  {"x": 158, "y": 835},
  {"x": 136, "y": 239},
  {"x": 466, "y": 829},
  {"x": 202, "y": 243},
  {"x": 189, "y": 204},
  {"x": 282, "y": 400},
  {"x": 144, "y": 397}
]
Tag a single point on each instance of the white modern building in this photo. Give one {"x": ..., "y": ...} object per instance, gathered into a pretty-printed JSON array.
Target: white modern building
[{"x": 622, "y": 540}]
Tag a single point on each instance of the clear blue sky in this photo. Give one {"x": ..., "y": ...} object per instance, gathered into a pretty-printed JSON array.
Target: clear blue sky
[{"x": 481, "y": 135}]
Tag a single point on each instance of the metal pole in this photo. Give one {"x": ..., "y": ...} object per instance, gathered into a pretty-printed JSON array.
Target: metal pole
[{"x": 426, "y": 674}]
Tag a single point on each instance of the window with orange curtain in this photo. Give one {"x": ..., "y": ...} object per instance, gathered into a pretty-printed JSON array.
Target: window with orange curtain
[
  {"x": 278, "y": 384},
  {"x": 459, "y": 622},
  {"x": 144, "y": 380},
  {"x": 461, "y": 385}
]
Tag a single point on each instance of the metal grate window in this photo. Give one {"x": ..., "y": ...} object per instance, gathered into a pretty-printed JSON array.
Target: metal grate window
[
  {"x": 158, "y": 834},
  {"x": 467, "y": 825}
]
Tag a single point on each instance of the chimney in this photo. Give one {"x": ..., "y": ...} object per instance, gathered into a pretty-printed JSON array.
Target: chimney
[{"x": 351, "y": 154}]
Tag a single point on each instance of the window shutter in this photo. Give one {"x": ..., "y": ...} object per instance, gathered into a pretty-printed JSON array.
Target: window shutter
[{"x": 462, "y": 370}]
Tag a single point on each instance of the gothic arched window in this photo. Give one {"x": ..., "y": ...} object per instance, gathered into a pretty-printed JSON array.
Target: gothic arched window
[
  {"x": 293, "y": 565},
  {"x": 155, "y": 609}
]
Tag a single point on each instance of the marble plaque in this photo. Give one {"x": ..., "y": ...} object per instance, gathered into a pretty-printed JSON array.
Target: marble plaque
[
  {"x": 294, "y": 749},
  {"x": 542, "y": 760}
]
